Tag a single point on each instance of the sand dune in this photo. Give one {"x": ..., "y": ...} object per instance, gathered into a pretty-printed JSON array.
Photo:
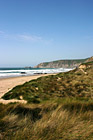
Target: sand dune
[{"x": 8, "y": 83}]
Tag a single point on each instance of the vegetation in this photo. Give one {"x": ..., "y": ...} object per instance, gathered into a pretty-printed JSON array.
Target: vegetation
[
  {"x": 60, "y": 107},
  {"x": 62, "y": 63},
  {"x": 63, "y": 120},
  {"x": 76, "y": 83}
]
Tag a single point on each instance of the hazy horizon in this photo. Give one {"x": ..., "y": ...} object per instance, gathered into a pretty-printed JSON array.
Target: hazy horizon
[{"x": 38, "y": 31}]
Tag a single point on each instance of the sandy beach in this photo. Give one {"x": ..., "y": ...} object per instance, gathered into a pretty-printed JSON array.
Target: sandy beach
[{"x": 8, "y": 83}]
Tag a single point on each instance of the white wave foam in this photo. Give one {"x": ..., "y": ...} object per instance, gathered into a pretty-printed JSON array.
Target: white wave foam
[{"x": 13, "y": 73}]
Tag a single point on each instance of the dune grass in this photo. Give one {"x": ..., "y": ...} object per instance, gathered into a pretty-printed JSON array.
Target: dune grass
[
  {"x": 60, "y": 107},
  {"x": 51, "y": 120},
  {"x": 75, "y": 83}
]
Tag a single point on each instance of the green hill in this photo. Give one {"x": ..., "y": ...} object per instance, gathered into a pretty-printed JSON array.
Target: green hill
[
  {"x": 60, "y": 107},
  {"x": 62, "y": 63},
  {"x": 76, "y": 83}
]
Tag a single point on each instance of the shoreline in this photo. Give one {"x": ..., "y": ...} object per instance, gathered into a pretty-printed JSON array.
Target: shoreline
[
  {"x": 14, "y": 77},
  {"x": 9, "y": 83}
]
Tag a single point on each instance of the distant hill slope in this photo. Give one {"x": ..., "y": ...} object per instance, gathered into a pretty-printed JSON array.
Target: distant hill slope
[
  {"x": 75, "y": 83},
  {"x": 62, "y": 63}
]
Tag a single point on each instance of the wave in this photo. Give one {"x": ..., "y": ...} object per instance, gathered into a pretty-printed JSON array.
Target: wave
[{"x": 23, "y": 72}]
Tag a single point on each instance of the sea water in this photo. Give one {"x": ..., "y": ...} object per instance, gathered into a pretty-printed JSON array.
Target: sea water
[{"x": 15, "y": 72}]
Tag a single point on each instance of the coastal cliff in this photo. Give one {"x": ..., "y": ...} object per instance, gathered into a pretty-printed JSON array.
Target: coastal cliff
[{"x": 62, "y": 63}]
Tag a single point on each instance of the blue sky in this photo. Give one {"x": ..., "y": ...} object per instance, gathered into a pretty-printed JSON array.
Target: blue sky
[{"x": 34, "y": 31}]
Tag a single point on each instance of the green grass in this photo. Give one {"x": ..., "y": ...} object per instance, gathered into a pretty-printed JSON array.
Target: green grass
[
  {"x": 88, "y": 63},
  {"x": 70, "y": 84},
  {"x": 60, "y": 107}
]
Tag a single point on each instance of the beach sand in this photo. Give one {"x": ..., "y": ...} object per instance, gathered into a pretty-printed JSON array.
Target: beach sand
[{"x": 8, "y": 83}]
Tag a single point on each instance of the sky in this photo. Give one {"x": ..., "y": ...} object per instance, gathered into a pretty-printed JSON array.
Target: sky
[{"x": 35, "y": 31}]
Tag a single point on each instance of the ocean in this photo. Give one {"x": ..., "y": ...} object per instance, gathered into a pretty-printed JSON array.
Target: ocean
[{"x": 16, "y": 72}]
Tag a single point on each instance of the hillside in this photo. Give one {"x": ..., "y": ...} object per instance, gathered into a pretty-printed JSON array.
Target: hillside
[
  {"x": 62, "y": 63},
  {"x": 76, "y": 83},
  {"x": 60, "y": 107}
]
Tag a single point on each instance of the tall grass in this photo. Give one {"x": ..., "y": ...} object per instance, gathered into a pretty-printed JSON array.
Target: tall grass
[
  {"x": 60, "y": 107},
  {"x": 48, "y": 121}
]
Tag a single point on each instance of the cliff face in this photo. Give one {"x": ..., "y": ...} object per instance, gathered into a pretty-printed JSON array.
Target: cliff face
[{"x": 62, "y": 63}]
